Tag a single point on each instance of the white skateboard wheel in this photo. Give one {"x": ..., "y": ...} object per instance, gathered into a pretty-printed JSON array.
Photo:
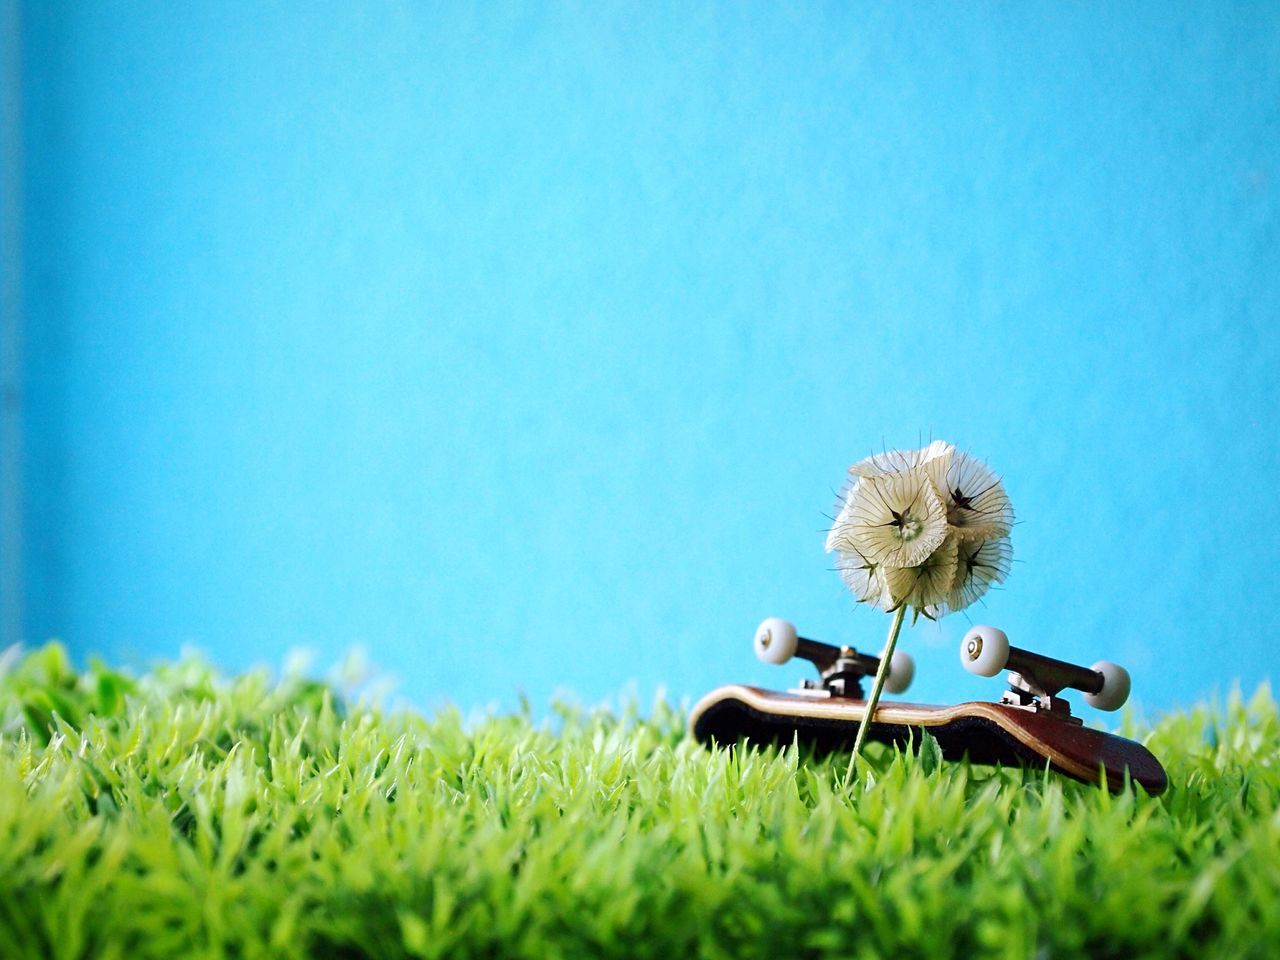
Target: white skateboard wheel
[
  {"x": 775, "y": 640},
  {"x": 984, "y": 651},
  {"x": 1115, "y": 687},
  {"x": 902, "y": 670}
]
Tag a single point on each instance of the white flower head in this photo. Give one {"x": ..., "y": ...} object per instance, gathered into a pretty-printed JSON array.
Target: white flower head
[{"x": 925, "y": 528}]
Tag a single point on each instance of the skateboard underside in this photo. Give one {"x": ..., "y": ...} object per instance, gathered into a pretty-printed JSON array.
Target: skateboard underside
[{"x": 987, "y": 733}]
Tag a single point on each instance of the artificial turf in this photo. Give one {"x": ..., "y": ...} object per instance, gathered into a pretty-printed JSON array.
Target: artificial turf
[{"x": 183, "y": 813}]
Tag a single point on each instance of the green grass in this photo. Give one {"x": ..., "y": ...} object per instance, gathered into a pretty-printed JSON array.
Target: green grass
[{"x": 184, "y": 813}]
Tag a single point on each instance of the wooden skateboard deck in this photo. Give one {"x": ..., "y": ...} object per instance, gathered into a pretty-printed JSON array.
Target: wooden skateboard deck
[{"x": 988, "y": 733}]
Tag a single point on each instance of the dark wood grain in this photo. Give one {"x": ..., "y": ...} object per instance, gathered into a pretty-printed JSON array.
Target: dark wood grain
[{"x": 984, "y": 732}]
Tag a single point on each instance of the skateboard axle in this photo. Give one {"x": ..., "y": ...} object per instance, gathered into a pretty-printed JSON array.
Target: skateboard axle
[
  {"x": 842, "y": 668},
  {"x": 824, "y": 656},
  {"x": 1048, "y": 676}
]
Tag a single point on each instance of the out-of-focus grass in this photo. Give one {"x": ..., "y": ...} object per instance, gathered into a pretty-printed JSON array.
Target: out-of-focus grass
[{"x": 184, "y": 813}]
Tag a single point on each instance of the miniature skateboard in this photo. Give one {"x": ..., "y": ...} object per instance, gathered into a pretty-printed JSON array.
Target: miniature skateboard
[{"x": 1031, "y": 726}]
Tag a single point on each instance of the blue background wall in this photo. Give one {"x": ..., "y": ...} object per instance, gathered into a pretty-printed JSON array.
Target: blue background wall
[{"x": 527, "y": 345}]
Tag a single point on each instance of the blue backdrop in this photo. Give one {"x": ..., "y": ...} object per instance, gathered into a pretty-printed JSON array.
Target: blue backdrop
[{"x": 526, "y": 344}]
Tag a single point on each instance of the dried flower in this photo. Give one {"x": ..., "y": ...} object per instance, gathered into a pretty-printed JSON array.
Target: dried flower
[{"x": 925, "y": 528}]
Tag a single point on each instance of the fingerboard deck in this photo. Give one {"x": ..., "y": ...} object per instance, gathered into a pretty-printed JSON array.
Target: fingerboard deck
[{"x": 987, "y": 733}]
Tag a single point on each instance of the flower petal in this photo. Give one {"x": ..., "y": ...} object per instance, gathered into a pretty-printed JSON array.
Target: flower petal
[
  {"x": 896, "y": 461},
  {"x": 895, "y": 519},
  {"x": 926, "y": 586},
  {"x": 838, "y": 535},
  {"x": 863, "y": 578},
  {"x": 980, "y": 564},
  {"x": 976, "y": 502}
]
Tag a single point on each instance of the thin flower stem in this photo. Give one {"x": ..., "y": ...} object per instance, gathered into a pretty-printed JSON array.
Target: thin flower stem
[{"x": 877, "y": 685}]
